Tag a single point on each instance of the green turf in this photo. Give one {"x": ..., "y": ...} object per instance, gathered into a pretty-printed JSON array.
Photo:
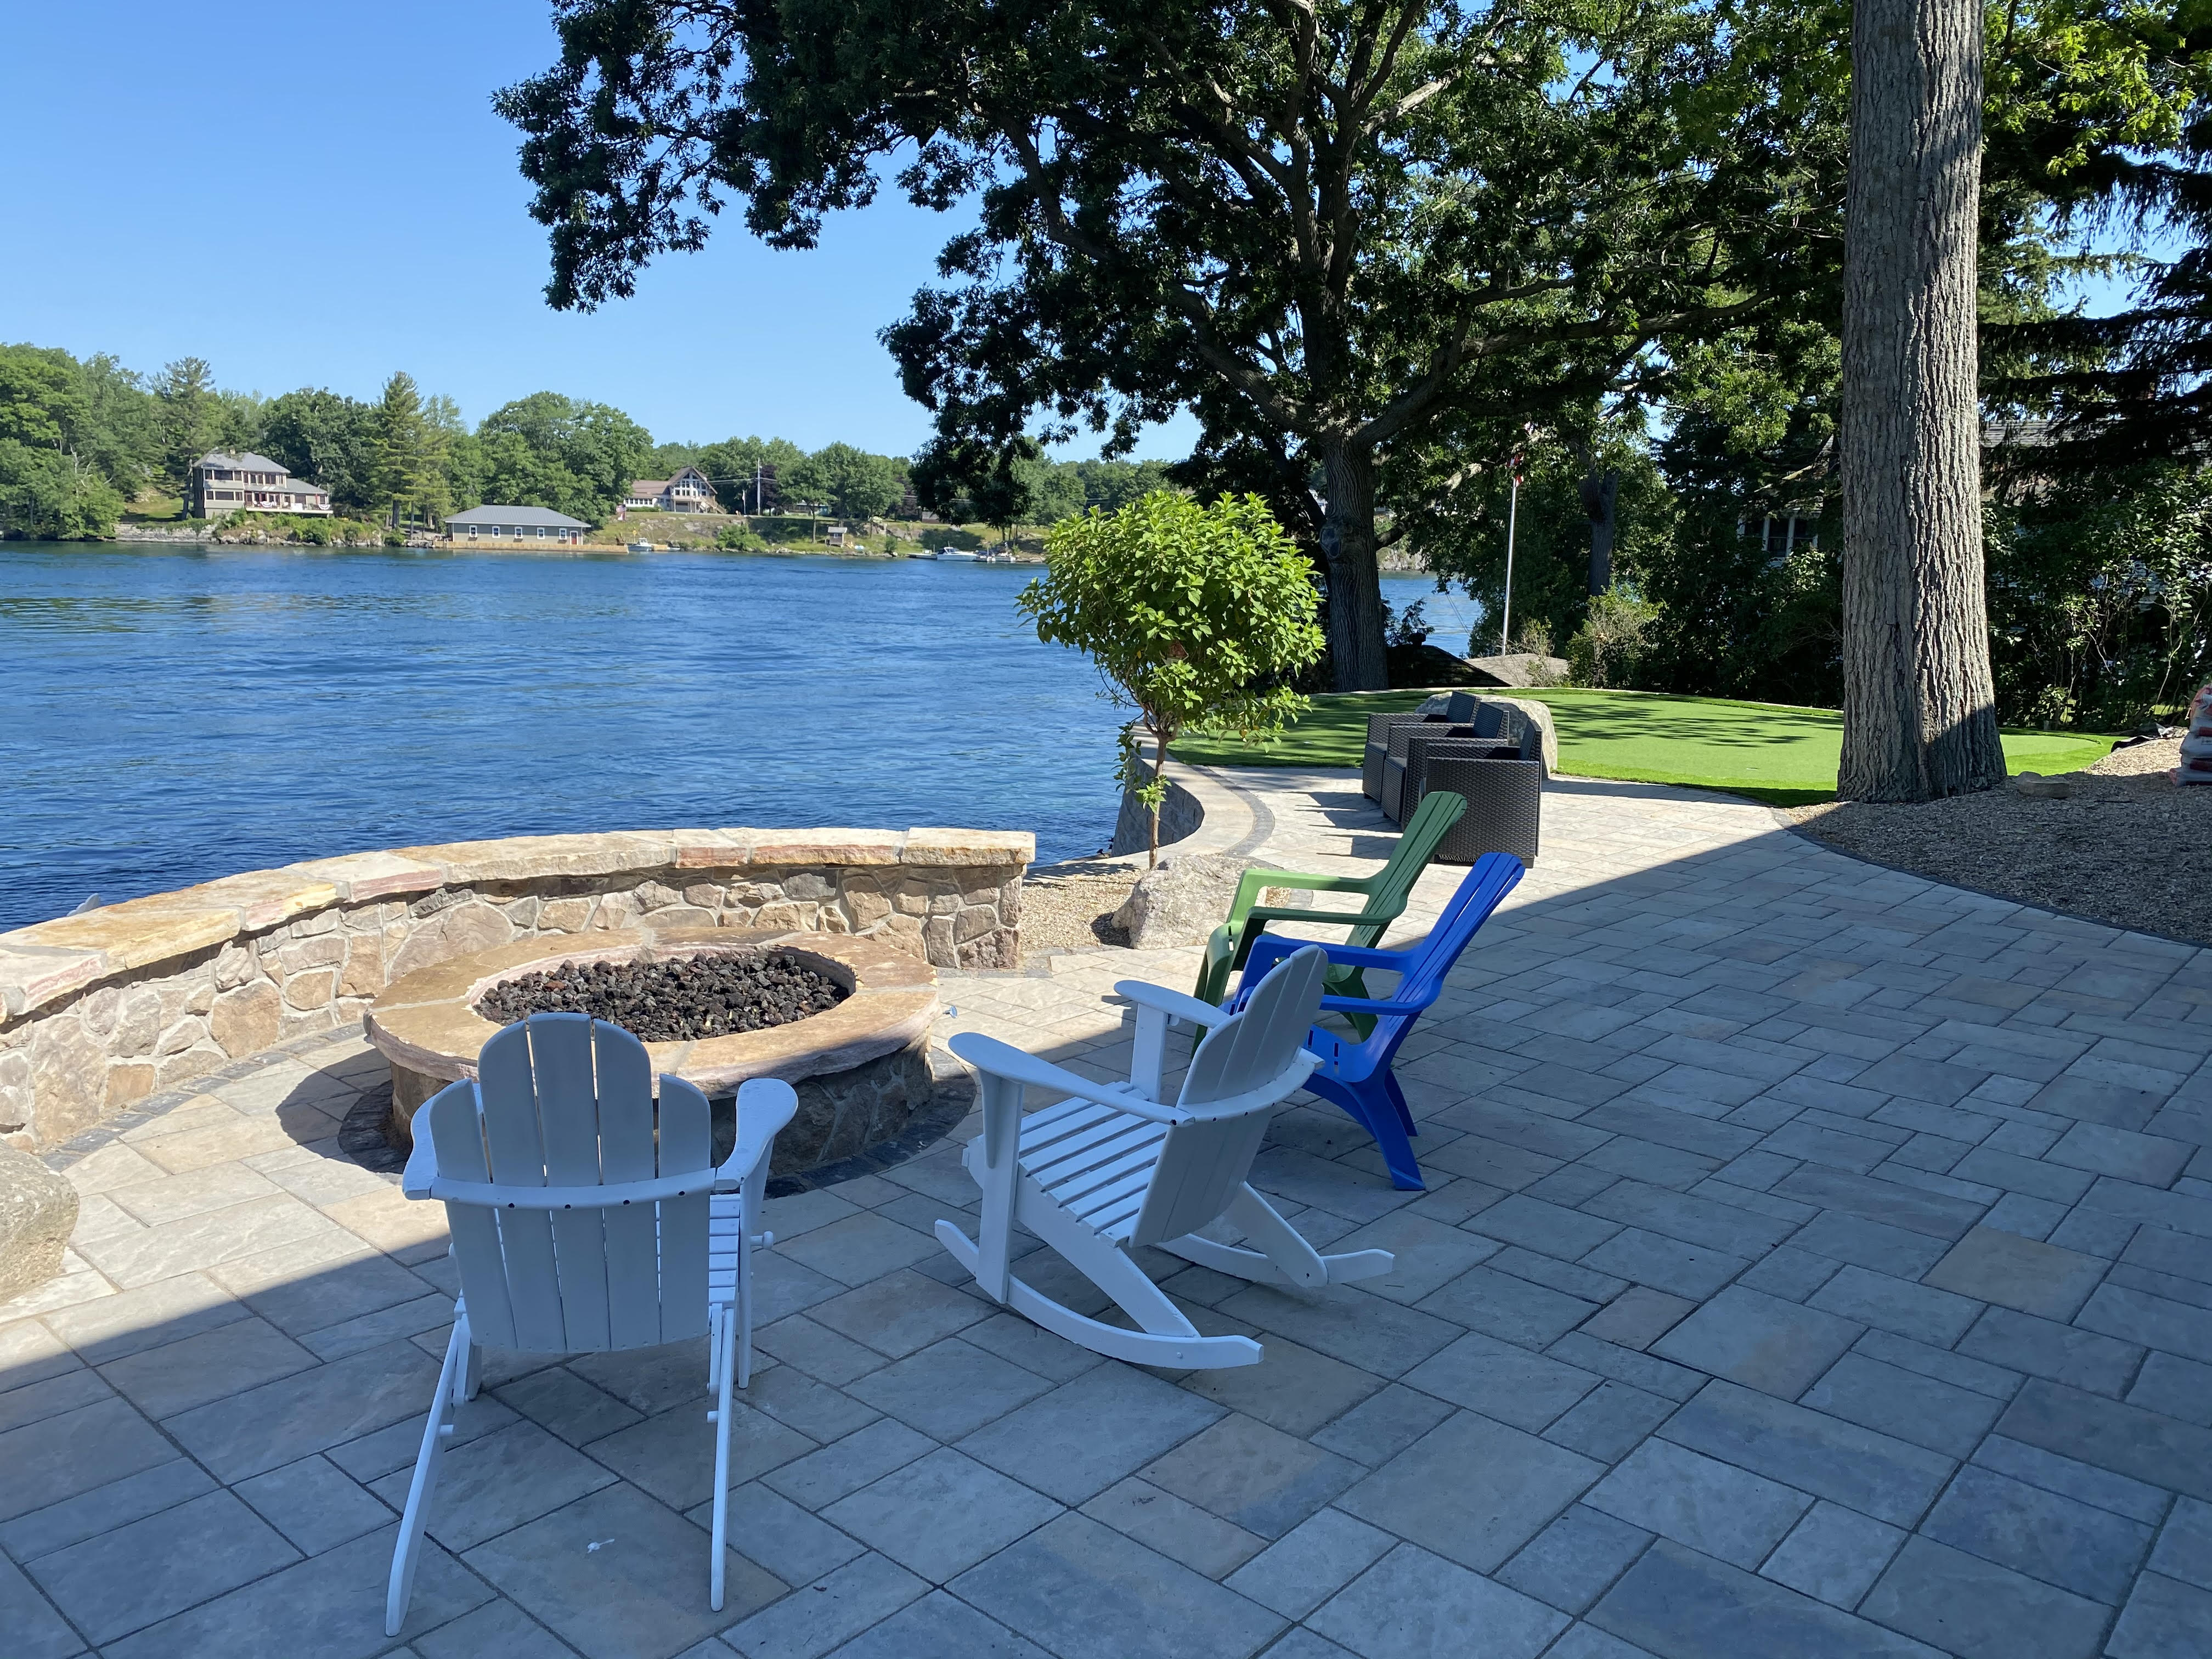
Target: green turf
[{"x": 1774, "y": 752}]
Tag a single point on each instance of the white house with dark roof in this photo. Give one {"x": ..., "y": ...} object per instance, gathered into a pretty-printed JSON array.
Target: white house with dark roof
[
  {"x": 223, "y": 483},
  {"x": 688, "y": 491},
  {"x": 484, "y": 526}
]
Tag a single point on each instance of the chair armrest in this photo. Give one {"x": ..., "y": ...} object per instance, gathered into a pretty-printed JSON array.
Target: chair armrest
[
  {"x": 1341, "y": 918},
  {"x": 1003, "y": 1060},
  {"x": 1252, "y": 883},
  {"x": 764, "y": 1106},
  {"x": 1364, "y": 1005},
  {"x": 422, "y": 1171},
  {"x": 1174, "y": 1004},
  {"x": 1271, "y": 948}
]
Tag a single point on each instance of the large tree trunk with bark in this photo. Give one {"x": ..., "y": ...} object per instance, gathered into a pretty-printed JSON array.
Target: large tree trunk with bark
[
  {"x": 1919, "y": 720},
  {"x": 1601, "y": 492},
  {"x": 1357, "y": 662}
]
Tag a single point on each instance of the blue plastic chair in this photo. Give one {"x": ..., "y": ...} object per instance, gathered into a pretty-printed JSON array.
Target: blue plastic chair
[{"x": 1356, "y": 1074}]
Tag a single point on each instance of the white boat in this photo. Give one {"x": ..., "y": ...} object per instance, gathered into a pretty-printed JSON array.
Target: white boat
[
  {"x": 954, "y": 553},
  {"x": 640, "y": 547}
]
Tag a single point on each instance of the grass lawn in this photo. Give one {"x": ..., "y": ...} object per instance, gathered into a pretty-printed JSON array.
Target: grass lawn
[
  {"x": 1776, "y": 753},
  {"x": 153, "y": 508}
]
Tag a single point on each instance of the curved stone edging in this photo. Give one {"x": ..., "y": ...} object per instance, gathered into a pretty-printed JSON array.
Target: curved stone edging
[
  {"x": 1203, "y": 813},
  {"x": 98, "y": 1011}
]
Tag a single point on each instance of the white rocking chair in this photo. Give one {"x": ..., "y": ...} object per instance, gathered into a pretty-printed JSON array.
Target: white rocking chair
[
  {"x": 585, "y": 1222},
  {"x": 1111, "y": 1167}
]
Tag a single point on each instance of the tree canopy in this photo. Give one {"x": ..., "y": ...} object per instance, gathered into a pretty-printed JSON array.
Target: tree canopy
[{"x": 1323, "y": 229}]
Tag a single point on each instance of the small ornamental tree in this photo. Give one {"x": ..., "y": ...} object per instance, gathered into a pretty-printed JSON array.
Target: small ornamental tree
[{"x": 1196, "y": 617}]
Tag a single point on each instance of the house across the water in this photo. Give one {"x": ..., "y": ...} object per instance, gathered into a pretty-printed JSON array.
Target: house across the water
[
  {"x": 487, "y": 525},
  {"x": 688, "y": 491},
  {"x": 223, "y": 483}
]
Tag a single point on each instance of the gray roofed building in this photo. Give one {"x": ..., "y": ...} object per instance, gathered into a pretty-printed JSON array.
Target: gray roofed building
[
  {"x": 532, "y": 524},
  {"x": 517, "y": 515}
]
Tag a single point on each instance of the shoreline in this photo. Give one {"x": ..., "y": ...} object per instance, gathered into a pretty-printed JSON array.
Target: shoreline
[{"x": 124, "y": 536}]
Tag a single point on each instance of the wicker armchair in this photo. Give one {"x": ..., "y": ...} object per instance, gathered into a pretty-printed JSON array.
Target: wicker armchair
[
  {"x": 1501, "y": 781},
  {"x": 1379, "y": 727},
  {"x": 1394, "y": 763},
  {"x": 1504, "y": 806}
]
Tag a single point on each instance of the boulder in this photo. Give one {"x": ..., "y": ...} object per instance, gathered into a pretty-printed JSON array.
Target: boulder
[
  {"x": 38, "y": 1210},
  {"x": 1539, "y": 716},
  {"x": 1518, "y": 668},
  {"x": 2036, "y": 787},
  {"x": 1188, "y": 897}
]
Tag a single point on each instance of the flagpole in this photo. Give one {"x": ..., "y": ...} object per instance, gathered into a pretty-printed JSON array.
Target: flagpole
[{"x": 1512, "y": 518}]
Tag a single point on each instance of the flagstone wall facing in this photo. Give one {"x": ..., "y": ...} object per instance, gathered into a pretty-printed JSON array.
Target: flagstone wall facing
[{"x": 100, "y": 1010}]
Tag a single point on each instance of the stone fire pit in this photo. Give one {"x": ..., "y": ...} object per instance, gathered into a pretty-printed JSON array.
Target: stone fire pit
[{"x": 861, "y": 1068}]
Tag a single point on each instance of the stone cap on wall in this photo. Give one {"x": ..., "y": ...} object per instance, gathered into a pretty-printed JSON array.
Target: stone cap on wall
[{"x": 50, "y": 960}]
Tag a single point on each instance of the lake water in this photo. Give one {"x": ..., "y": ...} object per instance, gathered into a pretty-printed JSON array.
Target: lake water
[{"x": 169, "y": 714}]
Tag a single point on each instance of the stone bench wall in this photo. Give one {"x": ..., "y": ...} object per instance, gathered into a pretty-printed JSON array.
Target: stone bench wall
[{"x": 100, "y": 1010}]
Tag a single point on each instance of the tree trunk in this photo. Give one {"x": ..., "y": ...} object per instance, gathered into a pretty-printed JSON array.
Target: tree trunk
[
  {"x": 1356, "y": 657},
  {"x": 1159, "y": 778},
  {"x": 1600, "y": 491},
  {"x": 1919, "y": 720}
]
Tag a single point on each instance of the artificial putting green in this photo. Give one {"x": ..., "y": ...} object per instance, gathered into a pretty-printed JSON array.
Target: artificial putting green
[{"x": 1774, "y": 752}]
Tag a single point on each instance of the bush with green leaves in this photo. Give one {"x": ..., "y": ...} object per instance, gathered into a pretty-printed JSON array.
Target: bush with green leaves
[
  {"x": 1614, "y": 634},
  {"x": 1195, "y": 616}
]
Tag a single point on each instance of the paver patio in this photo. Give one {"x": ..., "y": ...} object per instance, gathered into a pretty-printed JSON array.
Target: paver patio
[{"x": 1816, "y": 1260}]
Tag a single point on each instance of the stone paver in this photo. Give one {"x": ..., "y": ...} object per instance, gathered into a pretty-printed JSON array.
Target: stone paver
[{"x": 1814, "y": 1259}]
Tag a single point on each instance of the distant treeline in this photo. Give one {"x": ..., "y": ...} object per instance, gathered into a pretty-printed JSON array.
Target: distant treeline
[{"x": 80, "y": 440}]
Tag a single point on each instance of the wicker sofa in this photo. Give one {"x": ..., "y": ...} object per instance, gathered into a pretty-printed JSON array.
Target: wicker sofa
[{"x": 1494, "y": 761}]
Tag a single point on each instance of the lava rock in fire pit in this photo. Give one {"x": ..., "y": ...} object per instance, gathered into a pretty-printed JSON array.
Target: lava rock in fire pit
[{"x": 679, "y": 1000}]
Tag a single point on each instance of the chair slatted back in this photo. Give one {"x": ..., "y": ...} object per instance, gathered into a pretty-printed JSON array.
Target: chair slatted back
[
  {"x": 1480, "y": 892},
  {"x": 561, "y": 1100},
  {"x": 1207, "y": 1157},
  {"x": 1393, "y": 885}
]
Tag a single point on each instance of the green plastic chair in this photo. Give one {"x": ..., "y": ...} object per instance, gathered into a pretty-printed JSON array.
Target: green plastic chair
[{"x": 1386, "y": 892}]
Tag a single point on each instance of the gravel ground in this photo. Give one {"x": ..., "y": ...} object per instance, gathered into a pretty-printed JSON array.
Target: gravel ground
[
  {"x": 678, "y": 1000},
  {"x": 1070, "y": 907},
  {"x": 2128, "y": 848}
]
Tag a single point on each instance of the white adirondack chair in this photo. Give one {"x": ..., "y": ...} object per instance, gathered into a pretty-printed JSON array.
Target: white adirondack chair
[
  {"x": 581, "y": 1224},
  {"x": 1112, "y": 1166}
]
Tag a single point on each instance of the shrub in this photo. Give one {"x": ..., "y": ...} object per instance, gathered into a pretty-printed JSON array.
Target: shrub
[
  {"x": 1614, "y": 636},
  {"x": 1195, "y": 616}
]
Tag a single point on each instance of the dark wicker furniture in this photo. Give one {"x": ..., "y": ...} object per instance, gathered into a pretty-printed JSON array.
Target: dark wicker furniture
[
  {"x": 1499, "y": 771},
  {"x": 1379, "y": 727}
]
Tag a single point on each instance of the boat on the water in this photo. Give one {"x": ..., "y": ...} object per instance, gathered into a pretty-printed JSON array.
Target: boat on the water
[
  {"x": 639, "y": 547},
  {"x": 957, "y": 553}
]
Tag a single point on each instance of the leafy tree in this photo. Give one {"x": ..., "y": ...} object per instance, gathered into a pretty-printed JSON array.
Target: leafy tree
[
  {"x": 666, "y": 458},
  {"x": 729, "y": 464},
  {"x": 42, "y": 401},
  {"x": 576, "y": 458},
  {"x": 2100, "y": 594},
  {"x": 54, "y": 494},
  {"x": 1195, "y": 616},
  {"x": 72, "y": 444},
  {"x": 332, "y": 439},
  {"x": 1325, "y": 229},
  {"x": 854, "y": 484},
  {"x": 1114, "y": 484}
]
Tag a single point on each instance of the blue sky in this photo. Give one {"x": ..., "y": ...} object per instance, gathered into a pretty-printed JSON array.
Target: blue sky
[{"x": 318, "y": 195}]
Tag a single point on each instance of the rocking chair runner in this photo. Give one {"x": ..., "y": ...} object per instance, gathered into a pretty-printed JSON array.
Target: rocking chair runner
[
  {"x": 1112, "y": 1167},
  {"x": 1356, "y": 1076},
  {"x": 583, "y": 1222}
]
